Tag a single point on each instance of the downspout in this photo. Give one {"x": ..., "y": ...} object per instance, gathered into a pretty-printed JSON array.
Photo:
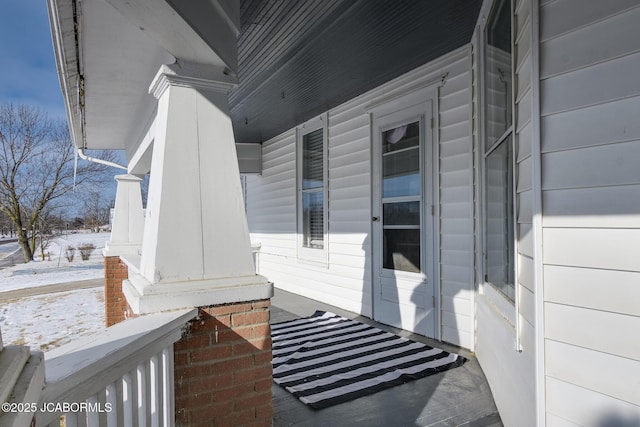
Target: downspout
[{"x": 80, "y": 152}]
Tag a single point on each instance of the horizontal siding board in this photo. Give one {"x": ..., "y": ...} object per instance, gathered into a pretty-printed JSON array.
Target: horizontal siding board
[
  {"x": 605, "y": 290},
  {"x": 607, "y": 81},
  {"x": 525, "y": 272},
  {"x": 455, "y": 131},
  {"x": 452, "y": 100},
  {"x": 527, "y": 304},
  {"x": 523, "y": 78},
  {"x": 455, "y": 147},
  {"x": 586, "y": 407},
  {"x": 613, "y": 164},
  {"x": 357, "y": 122},
  {"x": 588, "y": 46},
  {"x": 525, "y": 207},
  {"x": 597, "y": 330},
  {"x": 525, "y": 239},
  {"x": 612, "y": 249},
  {"x": 524, "y": 143},
  {"x": 525, "y": 175},
  {"x": 460, "y": 194},
  {"x": 563, "y": 16},
  {"x": 600, "y": 124},
  {"x": 593, "y": 207},
  {"x": 456, "y": 337}
]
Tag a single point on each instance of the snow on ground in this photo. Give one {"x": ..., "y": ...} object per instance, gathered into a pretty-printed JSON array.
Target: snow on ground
[
  {"x": 47, "y": 321},
  {"x": 56, "y": 268}
]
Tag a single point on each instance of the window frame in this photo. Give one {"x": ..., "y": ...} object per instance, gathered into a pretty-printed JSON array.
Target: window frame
[
  {"x": 314, "y": 255},
  {"x": 505, "y": 304}
]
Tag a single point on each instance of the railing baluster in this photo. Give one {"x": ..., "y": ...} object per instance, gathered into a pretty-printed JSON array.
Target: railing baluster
[
  {"x": 138, "y": 389},
  {"x": 70, "y": 420},
  {"x": 142, "y": 377},
  {"x": 153, "y": 392},
  {"x": 93, "y": 418},
  {"x": 167, "y": 386},
  {"x": 127, "y": 400},
  {"x": 111, "y": 398}
]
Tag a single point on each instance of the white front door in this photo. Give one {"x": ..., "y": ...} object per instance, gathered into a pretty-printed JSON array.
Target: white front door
[{"x": 403, "y": 221}]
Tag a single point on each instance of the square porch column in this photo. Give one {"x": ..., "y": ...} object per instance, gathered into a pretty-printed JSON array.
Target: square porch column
[
  {"x": 126, "y": 239},
  {"x": 196, "y": 252}
]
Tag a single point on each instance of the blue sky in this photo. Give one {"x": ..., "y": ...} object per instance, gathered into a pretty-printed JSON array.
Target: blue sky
[{"x": 28, "y": 71}]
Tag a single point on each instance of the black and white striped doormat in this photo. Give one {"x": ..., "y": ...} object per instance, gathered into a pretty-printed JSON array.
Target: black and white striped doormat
[{"x": 326, "y": 359}]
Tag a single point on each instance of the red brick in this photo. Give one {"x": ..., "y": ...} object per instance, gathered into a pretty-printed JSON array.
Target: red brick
[
  {"x": 233, "y": 393},
  {"x": 265, "y": 412},
  {"x": 261, "y": 331},
  {"x": 251, "y": 318},
  {"x": 228, "y": 309},
  {"x": 240, "y": 418},
  {"x": 193, "y": 400},
  {"x": 262, "y": 358},
  {"x": 251, "y": 375},
  {"x": 211, "y": 412},
  {"x": 192, "y": 341},
  {"x": 252, "y": 401},
  {"x": 263, "y": 385},
  {"x": 192, "y": 371},
  {"x": 210, "y": 354},
  {"x": 211, "y": 383},
  {"x": 261, "y": 304}
]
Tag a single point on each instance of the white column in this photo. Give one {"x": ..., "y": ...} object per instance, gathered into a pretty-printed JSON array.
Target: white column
[
  {"x": 128, "y": 218},
  {"x": 196, "y": 249}
]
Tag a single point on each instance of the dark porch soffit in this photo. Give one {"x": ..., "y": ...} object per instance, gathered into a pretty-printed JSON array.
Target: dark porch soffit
[{"x": 299, "y": 58}]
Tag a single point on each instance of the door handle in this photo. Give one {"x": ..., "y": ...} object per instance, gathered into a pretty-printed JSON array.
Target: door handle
[{"x": 375, "y": 218}]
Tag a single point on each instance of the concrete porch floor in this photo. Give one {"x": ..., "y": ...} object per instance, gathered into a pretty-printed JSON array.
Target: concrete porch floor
[{"x": 459, "y": 397}]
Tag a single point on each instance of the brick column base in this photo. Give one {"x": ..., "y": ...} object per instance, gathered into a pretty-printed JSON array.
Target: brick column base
[
  {"x": 115, "y": 304},
  {"x": 223, "y": 367}
]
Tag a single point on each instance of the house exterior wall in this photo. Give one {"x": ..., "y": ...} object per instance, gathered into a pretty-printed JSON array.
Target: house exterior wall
[
  {"x": 506, "y": 347},
  {"x": 345, "y": 280},
  {"x": 590, "y": 146}
]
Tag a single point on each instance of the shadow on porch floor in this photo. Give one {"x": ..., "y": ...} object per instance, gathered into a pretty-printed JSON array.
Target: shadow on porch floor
[{"x": 459, "y": 397}]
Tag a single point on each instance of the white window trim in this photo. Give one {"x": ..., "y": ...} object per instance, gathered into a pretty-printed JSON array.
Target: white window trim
[
  {"x": 510, "y": 310},
  {"x": 312, "y": 255}
]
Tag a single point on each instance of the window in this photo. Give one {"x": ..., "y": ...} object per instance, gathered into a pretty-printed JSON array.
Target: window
[
  {"x": 401, "y": 196},
  {"x": 312, "y": 197},
  {"x": 499, "y": 159}
]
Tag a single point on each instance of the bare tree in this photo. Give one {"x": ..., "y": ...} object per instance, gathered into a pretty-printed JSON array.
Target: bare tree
[
  {"x": 96, "y": 209},
  {"x": 36, "y": 168}
]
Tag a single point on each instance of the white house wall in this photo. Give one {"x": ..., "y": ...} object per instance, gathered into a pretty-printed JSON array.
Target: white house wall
[
  {"x": 511, "y": 373},
  {"x": 590, "y": 144},
  {"x": 345, "y": 281}
]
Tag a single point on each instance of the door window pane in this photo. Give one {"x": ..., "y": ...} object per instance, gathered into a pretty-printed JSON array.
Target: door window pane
[
  {"x": 401, "y": 249},
  {"x": 401, "y": 137},
  {"x": 401, "y": 161},
  {"x": 405, "y": 213}
]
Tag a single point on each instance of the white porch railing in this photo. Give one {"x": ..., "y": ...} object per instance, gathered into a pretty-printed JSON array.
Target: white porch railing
[{"x": 120, "y": 377}]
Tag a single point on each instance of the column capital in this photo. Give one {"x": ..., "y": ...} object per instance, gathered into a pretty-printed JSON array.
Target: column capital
[{"x": 192, "y": 75}]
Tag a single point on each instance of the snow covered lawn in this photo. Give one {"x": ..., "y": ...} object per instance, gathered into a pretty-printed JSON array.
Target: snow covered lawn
[
  {"x": 56, "y": 268},
  {"x": 47, "y": 321}
]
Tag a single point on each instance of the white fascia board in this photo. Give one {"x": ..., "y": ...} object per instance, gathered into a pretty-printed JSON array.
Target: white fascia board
[{"x": 63, "y": 34}]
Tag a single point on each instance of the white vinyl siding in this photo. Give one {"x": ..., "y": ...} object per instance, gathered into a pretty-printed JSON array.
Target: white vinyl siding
[
  {"x": 456, "y": 206},
  {"x": 511, "y": 373},
  {"x": 590, "y": 144},
  {"x": 346, "y": 279}
]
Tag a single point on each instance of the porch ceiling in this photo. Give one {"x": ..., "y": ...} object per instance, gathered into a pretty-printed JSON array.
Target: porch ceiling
[
  {"x": 296, "y": 58},
  {"x": 300, "y": 58}
]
